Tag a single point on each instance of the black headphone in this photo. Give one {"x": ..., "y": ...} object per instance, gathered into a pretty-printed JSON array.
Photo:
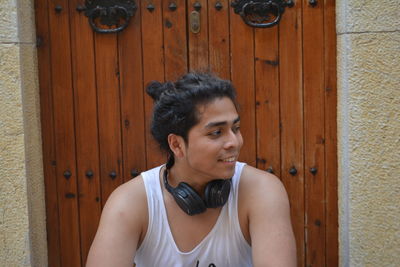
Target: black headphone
[{"x": 215, "y": 195}]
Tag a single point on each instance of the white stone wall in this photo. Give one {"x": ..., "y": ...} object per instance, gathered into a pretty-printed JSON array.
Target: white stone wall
[
  {"x": 369, "y": 132},
  {"x": 22, "y": 207}
]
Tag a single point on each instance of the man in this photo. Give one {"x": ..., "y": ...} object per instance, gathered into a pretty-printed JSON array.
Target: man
[{"x": 202, "y": 208}]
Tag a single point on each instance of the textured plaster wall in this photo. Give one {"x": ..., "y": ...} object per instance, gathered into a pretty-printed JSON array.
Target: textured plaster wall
[
  {"x": 369, "y": 132},
  {"x": 22, "y": 208}
]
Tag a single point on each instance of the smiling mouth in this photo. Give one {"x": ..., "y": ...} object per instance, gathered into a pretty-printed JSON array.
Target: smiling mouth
[{"x": 230, "y": 159}]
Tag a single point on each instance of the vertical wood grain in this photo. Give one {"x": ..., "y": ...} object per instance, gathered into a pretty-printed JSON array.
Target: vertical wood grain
[
  {"x": 48, "y": 135},
  {"x": 64, "y": 129},
  {"x": 291, "y": 110},
  {"x": 198, "y": 42},
  {"x": 331, "y": 165},
  {"x": 175, "y": 39},
  {"x": 153, "y": 69},
  {"x": 267, "y": 99},
  {"x": 242, "y": 75},
  {"x": 85, "y": 110},
  {"x": 109, "y": 116},
  {"x": 314, "y": 134},
  {"x": 132, "y": 101},
  {"x": 219, "y": 38}
]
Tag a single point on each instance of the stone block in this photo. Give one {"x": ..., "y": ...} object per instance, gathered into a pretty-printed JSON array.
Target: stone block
[
  {"x": 369, "y": 138},
  {"x": 14, "y": 221},
  {"x": 8, "y": 21},
  {"x": 367, "y": 16},
  {"x": 26, "y": 21}
]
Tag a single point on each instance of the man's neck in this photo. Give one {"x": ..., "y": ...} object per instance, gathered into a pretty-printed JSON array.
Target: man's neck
[{"x": 179, "y": 173}]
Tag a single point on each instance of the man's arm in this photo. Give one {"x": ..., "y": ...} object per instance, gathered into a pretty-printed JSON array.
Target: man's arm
[
  {"x": 122, "y": 224},
  {"x": 270, "y": 228}
]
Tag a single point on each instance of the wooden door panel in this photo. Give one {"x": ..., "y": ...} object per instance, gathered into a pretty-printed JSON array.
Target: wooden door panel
[
  {"x": 96, "y": 115},
  {"x": 175, "y": 46},
  {"x": 48, "y": 135},
  {"x": 153, "y": 69},
  {"x": 314, "y": 134},
  {"x": 198, "y": 42},
  {"x": 219, "y": 42},
  {"x": 242, "y": 76},
  {"x": 291, "y": 118},
  {"x": 132, "y": 98},
  {"x": 331, "y": 167},
  {"x": 109, "y": 113},
  {"x": 86, "y": 127},
  {"x": 63, "y": 106},
  {"x": 267, "y": 100}
]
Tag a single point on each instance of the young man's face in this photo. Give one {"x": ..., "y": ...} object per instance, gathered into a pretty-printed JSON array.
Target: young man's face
[{"x": 214, "y": 143}]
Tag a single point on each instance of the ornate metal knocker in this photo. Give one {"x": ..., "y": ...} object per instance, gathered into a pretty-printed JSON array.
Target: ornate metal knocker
[
  {"x": 261, "y": 13},
  {"x": 109, "y": 13}
]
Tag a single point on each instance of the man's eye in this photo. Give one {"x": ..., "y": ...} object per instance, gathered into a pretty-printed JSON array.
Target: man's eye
[
  {"x": 236, "y": 129},
  {"x": 215, "y": 133}
]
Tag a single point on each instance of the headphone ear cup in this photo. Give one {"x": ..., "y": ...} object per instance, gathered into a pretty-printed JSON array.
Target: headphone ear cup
[
  {"x": 188, "y": 199},
  {"x": 217, "y": 193}
]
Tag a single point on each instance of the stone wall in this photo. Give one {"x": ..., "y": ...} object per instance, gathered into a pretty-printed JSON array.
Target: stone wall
[
  {"x": 22, "y": 207},
  {"x": 369, "y": 131}
]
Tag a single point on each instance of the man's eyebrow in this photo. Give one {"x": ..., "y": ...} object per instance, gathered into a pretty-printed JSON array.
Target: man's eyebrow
[{"x": 221, "y": 123}]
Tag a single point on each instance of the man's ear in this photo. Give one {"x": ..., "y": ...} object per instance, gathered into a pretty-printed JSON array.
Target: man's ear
[{"x": 177, "y": 145}]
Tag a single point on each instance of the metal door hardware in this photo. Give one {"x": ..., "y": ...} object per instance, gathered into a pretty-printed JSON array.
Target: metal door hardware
[
  {"x": 194, "y": 20},
  {"x": 58, "y": 8},
  {"x": 293, "y": 171},
  {"x": 313, "y": 3},
  {"x": 270, "y": 170},
  {"x": 134, "y": 173},
  {"x": 261, "y": 13},
  {"x": 67, "y": 174},
  {"x": 113, "y": 175},
  {"x": 115, "y": 14},
  {"x": 197, "y": 6},
  {"x": 218, "y": 6},
  {"x": 172, "y": 6},
  {"x": 89, "y": 174},
  {"x": 313, "y": 170},
  {"x": 151, "y": 7}
]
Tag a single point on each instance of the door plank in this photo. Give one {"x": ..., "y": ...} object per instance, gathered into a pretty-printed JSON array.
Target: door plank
[
  {"x": 48, "y": 138},
  {"x": 291, "y": 103},
  {"x": 218, "y": 28},
  {"x": 87, "y": 148},
  {"x": 331, "y": 165},
  {"x": 153, "y": 69},
  {"x": 267, "y": 99},
  {"x": 198, "y": 42},
  {"x": 132, "y": 106},
  {"x": 109, "y": 117},
  {"x": 175, "y": 46},
  {"x": 242, "y": 71},
  {"x": 64, "y": 133},
  {"x": 314, "y": 134}
]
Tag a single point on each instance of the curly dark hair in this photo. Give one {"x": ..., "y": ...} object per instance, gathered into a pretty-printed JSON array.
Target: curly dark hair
[{"x": 176, "y": 104}]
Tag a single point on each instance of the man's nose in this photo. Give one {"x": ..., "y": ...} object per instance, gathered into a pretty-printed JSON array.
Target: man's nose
[{"x": 232, "y": 140}]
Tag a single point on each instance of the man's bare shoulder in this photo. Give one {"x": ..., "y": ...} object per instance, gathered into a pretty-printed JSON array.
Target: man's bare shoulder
[
  {"x": 257, "y": 183},
  {"x": 122, "y": 225},
  {"x": 128, "y": 198},
  {"x": 127, "y": 203},
  {"x": 266, "y": 205}
]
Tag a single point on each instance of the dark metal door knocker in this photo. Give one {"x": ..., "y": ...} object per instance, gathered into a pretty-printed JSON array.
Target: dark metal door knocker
[
  {"x": 261, "y": 13},
  {"x": 112, "y": 13}
]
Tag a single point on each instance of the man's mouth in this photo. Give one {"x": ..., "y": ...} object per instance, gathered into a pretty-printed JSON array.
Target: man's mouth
[{"x": 230, "y": 159}]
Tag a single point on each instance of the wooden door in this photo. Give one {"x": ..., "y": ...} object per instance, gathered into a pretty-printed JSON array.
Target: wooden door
[{"x": 95, "y": 114}]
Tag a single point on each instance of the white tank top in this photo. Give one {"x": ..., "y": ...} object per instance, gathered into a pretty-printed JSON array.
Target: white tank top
[{"x": 224, "y": 246}]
